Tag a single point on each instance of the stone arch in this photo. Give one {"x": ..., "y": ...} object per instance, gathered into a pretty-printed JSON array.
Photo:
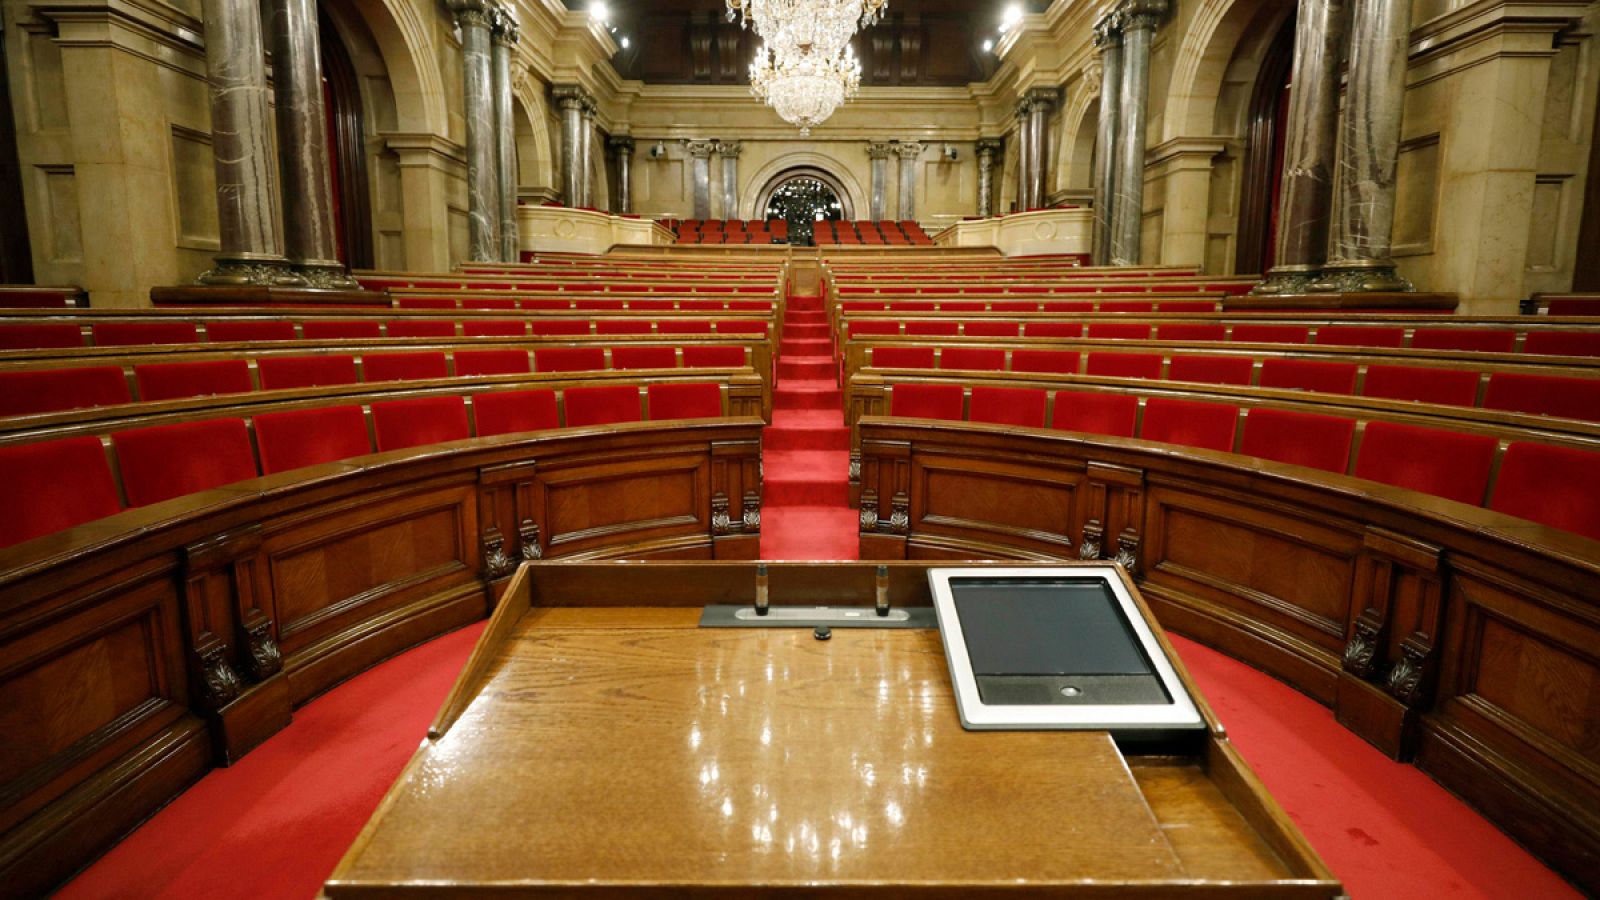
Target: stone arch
[
  {"x": 756, "y": 186},
  {"x": 759, "y": 209},
  {"x": 1080, "y": 123},
  {"x": 535, "y": 157},
  {"x": 401, "y": 36},
  {"x": 1210, "y": 41}
]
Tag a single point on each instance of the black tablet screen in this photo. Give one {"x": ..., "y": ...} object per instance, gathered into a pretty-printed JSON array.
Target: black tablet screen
[{"x": 1058, "y": 626}]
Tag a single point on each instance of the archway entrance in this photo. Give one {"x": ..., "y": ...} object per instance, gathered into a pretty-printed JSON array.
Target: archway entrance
[{"x": 803, "y": 197}]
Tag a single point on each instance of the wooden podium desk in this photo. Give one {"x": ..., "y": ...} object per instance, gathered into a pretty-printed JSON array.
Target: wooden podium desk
[{"x": 599, "y": 743}]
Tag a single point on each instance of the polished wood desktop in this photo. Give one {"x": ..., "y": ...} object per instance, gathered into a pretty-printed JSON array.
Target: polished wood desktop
[{"x": 600, "y": 742}]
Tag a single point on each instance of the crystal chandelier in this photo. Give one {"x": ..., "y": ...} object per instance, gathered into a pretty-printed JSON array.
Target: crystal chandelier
[{"x": 805, "y": 68}]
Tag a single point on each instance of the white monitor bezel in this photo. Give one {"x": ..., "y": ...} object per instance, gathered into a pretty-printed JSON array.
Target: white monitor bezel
[{"x": 977, "y": 715}]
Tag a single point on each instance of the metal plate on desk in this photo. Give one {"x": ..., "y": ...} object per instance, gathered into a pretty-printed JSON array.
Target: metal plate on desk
[{"x": 729, "y": 616}]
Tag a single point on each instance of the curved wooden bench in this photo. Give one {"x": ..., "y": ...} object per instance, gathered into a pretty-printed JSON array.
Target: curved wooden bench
[
  {"x": 144, "y": 648},
  {"x": 1458, "y": 638}
]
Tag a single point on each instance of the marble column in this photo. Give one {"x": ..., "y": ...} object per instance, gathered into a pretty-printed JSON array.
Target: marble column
[
  {"x": 908, "y": 151},
  {"x": 988, "y": 150},
  {"x": 305, "y": 169},
  {"x": 1040, "y": 102},
  {"x": 1024, "y": 154},
  {"x": 569, "y": 99},
  {"x": 1108, "y": 38},
  {"x": 1139, "y": 21},
  {"x": 622, "y": 146},
  {"x": 506, "y": 34},
  {"x": 483, "y": 181},
  {"x": 700, "y": 170},
  {"x": 250, "y": 250},
  {"x": 1310, "y": 144},
  {"x": 729, "y": 152},
  {"x": 1369, "y": 155},
  {"x": 590, "y": 160},
  {"x": 878, "y": 152}
]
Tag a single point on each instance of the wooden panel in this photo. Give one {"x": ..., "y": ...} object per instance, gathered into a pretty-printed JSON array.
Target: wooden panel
[
  {"x": 1029, "y": 506},
  {"x": 625, "y": 499}
]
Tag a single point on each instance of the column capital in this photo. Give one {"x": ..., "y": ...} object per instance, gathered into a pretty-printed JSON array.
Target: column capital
[
  {"x": 591, "y": 106},
  {"x": 1094, "y": 76},
  {"x": 1042, "y": 98},
  {"x": 701, "y": 149},
  {"x": 568, "y": 96},
  {"x": 503, "y": 25},
  {"x": 621, "y": 144},
  {"x": 729, "y": 148},
  {"x": 1108, "y": 29},
  {"x": 988, "y": 147},
  {"x": 1140, "y": 15},
  {"x": 879, "y": 149},
  {"x": 908, "y": 150},
  {"x": 1024, "y": 107},
  {"x": 478, "y": 13}
]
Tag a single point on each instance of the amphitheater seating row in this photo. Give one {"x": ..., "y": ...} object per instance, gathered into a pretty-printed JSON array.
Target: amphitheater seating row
[
  {"x": 1566, "y": 304},
  {"x": 905, "y": 232},
  {"x": 1551, "y": 485},
  {"x": 1532, "y": 394},
  {"x": 568, "y": 285},
  {"x": 40, "y": 336},
  {"x": 29, "y": 296},
  {"x": 1179, "y": 302},
  {"x": 45, "y": 390},
  {"x": 403, "y": 300},
  {"x": 844, "y": 290},
  {"x": 732, "y": 231},
  {"x": 53, "y": 485}
]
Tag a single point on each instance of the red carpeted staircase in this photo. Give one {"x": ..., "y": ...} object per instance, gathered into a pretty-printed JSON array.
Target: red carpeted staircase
[{"x": 806, "y": 450}]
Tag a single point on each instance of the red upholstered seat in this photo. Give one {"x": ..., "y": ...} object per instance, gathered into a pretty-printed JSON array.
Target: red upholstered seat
[
  {"x": 1309, "y": 375},
  {"x": 1271, "y": 334},
  {"x": 863, "y": 306},
  {"x": 236, "y": 331},
  {"x": 750, "y": 305},
  {"x": 544, "y": 304},
  {"x": 1555, "y": 486},
  {"x": 644, "y": 357},
  {"x": 1544, "y": 395},
  {"x": 1361, "y": 335},
  {"x": 51, "y": 390},
  {"x": 1451, "y": 387},
  {"x": 550, "y": 327},
  {"x": 1014, "y": 306},
  {"x": 1127, "y": 306},
  {"x": 1178, "y": 306},
  {"x": 602, "y": 405},
  {"x": 1446, "y": 464},
  {"x": 1008, "y": 406},
  {"x": 948, "y": 328},
  {"x": 901, "y": 357},
  {"x": 425, "y": 303},
  {"x": 173, "y": 381},
  {"x": 1121, "y": 331},
  {"x": 287, "y": 372},
  {"x": 1191, "y": 332},
  {"x": 872, "y": 328},
  {"x": 1211, "y": 369},
  {"x": 489, "y": 302},
  {"x": 1562, "y": 343},
  {"x": 622, "y": 326},
  {"x": 341, "y": 329},
  {"x": 54, "y": 485},
  {"x": 1124, "y": 365},
  {"x": 699, "y": 305},
  {"x": 39, "y": 337},
  {"x": 992, "y": 329},
  {"x": 742, "y": 326},
  {"x": 494, "y": 328},
  {"x": 926, "y": 401},
  {"x": 1052, "y": 330},
  {"x": 404, "y": 366},
  {"x": 1304, "y": 439},
  {"x": 1070, "y": 306},
  {"x": 510, "y": 412},
  {"x": 683, "y": 326},
  {"x": 905, "y": 306},
  {"x": 1113, "y": 415},
  {"x": 310, "y": 437},
  {"x": 1208, "y": 426},
  {"x": 1063, "y": 362},
  {"x": 422, "y": 328},
  {"x": 703, "y": 357},
  {"x": 684, "y": 401},
  {"x": 125, "y": 334},
  {"x": 984, "y": 359},
  {"x": 1478, "y": 340},
  {"x": 597, "y": 304},
  {"x": 497, "y": 362},
  {"x": 172, "y": 460},
  {"x": 966, "y": 306},
  {"x": 568, "y": 359},
  {"x": 399, "y": 424},
  {"x": 650, "y": 305}
]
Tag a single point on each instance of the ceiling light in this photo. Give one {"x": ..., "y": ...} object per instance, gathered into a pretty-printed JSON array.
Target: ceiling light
[
  {"x": 625, "y": 42},
  {"x": 988, "y": 45},
  {"x": 1012, "y": 17},
  {"x": 597, "y": 10}
]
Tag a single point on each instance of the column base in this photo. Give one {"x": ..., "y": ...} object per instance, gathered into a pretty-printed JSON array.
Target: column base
[
  {"x": 1288, "y": 280},
  {"x": 1361, "y": 277},
  {"x": 247, "y": 271},
  {"x": 327, "y": 276}
]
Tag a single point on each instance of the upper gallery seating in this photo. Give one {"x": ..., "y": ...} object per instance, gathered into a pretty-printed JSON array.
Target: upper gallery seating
[
  {"x": 732, "y": 231},
  {"x": 31, "y": 296},
  {"x": 1564, "y": 304},
  {"x": 865, "y": 231}
]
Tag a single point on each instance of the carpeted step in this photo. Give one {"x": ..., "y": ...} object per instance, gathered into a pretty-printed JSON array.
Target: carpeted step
[
  {"x": 809, "y": 532},
  {"x": 816, "y": 317},
  {"x": 806, "y": 429},
  {"x": 802, "y": 332},
  {"x": 803, "y": 302},
  {"x": 805, "y": 367},
  {"x": 805, "y": 347},
  {"x": 806, "y": 478},
  {"x": 808, "y": 395}
]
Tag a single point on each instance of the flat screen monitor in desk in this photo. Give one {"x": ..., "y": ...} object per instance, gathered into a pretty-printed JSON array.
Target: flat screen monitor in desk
[{"x": 1055, "y": 648}]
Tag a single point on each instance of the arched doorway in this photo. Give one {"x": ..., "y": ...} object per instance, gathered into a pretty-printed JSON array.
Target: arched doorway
[
  {"x": 347, "y": 149},
  {"x": 1265, "y": 131},
  {"x": 802, "y": 197}
]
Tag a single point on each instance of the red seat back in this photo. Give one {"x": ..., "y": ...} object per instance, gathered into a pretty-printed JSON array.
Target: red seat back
[
  {"x": 1191, "y": 332},
  {"x": 622, "y": 326},
  {"x": 54, "y": 485},
  {"x": 1008, "y": 406},
  {"x": 1052, "y": 329},
  {"x": 51, "y": 390},
  {"x": 494, "y": 328},
  {"x": 509, "y": 412},
  {"x": 984, "y": 359},
  {"x": 172, "y": 381},
  {"x": 742, "y": 326},
  {"x": 1208, "y": 426},
  {"x": 341, "y": 330},
  {"x": 644, "y": 358},
  {"x": 422, "y": 328},
  {"x": 684, "y": 401},
  {"x": 404, "y": 366},
  {"x": 1211, "y": 369},
  {"x": 1063, "y": 362},
  {"x": 1574, "y": 306},
  {"x": 279, "y": 373},
  {"x": 1562, "y": 343},
  {"x": 1127, "y": 306},
  {"x": 1477, "y": 340},
  {"x": 310, "y": 437},
  {"x": 945, "y": 328},
  {"x": 992, "y": 329},
  {"x": 602, "y": 405},
  {"x": 172, "y": 460},
  {"x": 926, "y": 401},
  {"x": 1122, "y": 331},
  {"x": 1445, "y": 464},
  {"x": 547, "y": 327},
  {"x": 243, "y": 330},
  {"x": 683, "y": 326},
  {"x": 1304, "y": 439},
  {"x": 1544, "y": 395},
  {"x": 1309, "y": 375},
  {"x": 569, "y": 359},
  {"x": 1271, "y": 334},
  {"x": 1451, "y": 387},
  {"x": 425, "y": 303},
  {"x": 40, "y": 337},
  {"x": 1113, "y": 415},
  {"x": 875, "y": 327},
  {"x": 704, "y": 357},
  {"x": 126, "y": 334},
  {"x": 398, "y": 424},
  {"x": 493, "y": 362},
  {"x": 1361, "y": 335},
  {"x": 544, "y": 304},
  {"x": 1124, "y": 365},
  {"x": 1555, "y": 486},
  {"x": 901, "y": 357}
]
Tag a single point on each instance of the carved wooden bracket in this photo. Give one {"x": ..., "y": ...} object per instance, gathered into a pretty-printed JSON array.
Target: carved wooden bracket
[
  {"x": 1093, "y": 534},
  {"x": 497, "y": 563},
  {"x": 528, "y": 537},
  {"x": 1398, "y": 588},
  {"x": 751, "y": 515},
  {"x": 869, "y": 509},
  {"x": 721, "y": 523},
  {"x": 228, "y": 631}
]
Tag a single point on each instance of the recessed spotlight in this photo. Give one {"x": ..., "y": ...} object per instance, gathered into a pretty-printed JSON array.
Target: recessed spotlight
[
  {"x": 597, "y": 10},
  {"x": 1013, "y": 15},
  {"x": 625, "y": 42},
  {"x": 988, "y": 45}
]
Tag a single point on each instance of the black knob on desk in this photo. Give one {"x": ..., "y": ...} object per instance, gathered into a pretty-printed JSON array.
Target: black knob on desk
[{"x": 822, "y": 633}]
